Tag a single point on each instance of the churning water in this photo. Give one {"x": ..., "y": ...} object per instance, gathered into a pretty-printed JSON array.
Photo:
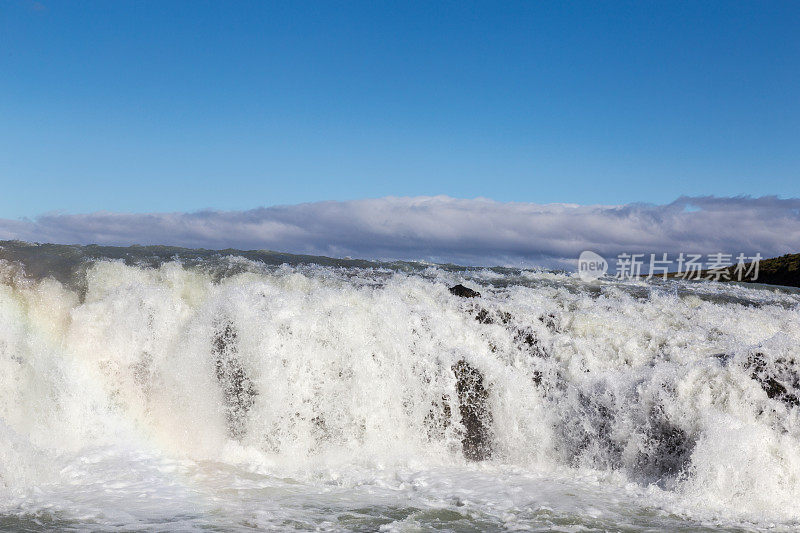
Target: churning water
[{"x": 163, "y": 389}]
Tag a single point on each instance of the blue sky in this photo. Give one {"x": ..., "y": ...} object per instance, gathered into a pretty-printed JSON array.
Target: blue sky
[{"x": 178, "y": 106}]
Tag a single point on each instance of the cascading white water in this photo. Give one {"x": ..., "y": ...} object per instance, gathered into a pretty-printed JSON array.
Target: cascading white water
[{"x": 173, "y": 395}]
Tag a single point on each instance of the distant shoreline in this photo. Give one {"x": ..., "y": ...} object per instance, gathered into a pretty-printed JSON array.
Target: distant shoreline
[{"x": 783, "y": 270}]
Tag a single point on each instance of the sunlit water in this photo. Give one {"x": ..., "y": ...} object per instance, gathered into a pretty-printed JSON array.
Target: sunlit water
[{"x": 609, "y": 406}]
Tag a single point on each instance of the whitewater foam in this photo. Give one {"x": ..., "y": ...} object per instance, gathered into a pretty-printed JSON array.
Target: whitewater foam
[{"x": 610, "y": 405}]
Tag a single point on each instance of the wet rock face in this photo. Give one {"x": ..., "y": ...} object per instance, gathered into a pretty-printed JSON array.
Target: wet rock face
[
  {"x": 597, "y": 432},
  {"x": 524, "y": 337},
  {"x": 438, "y": 418},
  {"x": 464, "y": 292},
  {"x": 551, "y": 322},
  {"x": 485, "y": 316},
  {"x": 237, "y": 388},
  {"x": 779, "y": 379},
  {"x": 475, "y": 416},
  {"x": 667, "y": 451},
  {"x": 588, "y": 432}
]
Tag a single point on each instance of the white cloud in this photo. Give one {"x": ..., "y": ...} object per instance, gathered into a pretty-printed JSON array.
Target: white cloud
[{"x": 441, "y": 228}]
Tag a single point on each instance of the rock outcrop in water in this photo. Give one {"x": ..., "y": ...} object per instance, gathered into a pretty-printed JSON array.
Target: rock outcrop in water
[
  {"x": 484, "y": 316},
  {"x": 598, "y": 432},
  {"x": 464, "y": 292},
  {"x": 524, "y": 336},
  {"x": 780, "y": 380},
  {"x": 475, "y": 415},
  {"x": 237, "y": 388},
  {"x": 587, "y": 429},
  {"x": 438, "y": 418},
  {"x": 667, "y": 451}
]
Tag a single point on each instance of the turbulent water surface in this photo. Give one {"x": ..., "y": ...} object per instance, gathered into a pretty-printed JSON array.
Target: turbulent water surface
[{"x": 164, "y": 389}]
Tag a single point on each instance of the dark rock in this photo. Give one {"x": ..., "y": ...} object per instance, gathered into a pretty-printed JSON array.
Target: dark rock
[
  {"x": 524, "y": 338},
  {"x": 549, "y": 320},
  {"x": 597, "y": 429},
  {"x": 527, "y": 338},
  {"x": 237, "y": 388},
  {"x": 588, "y": 432},
  {"x": 527, "y": 341},
  {"x": 723, "y": 358},
  {"x": 667, "y": 451},
  {"x": 464, "y": 292},
  {"x": 438, "y": 418},
  {"x": 475, "y": 416},
  {"x": 780, "y": 380},
  {"x": 320, "y": 428},
  {"x": 485, "y": 316}
]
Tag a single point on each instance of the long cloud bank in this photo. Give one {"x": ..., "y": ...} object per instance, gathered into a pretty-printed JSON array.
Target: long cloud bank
[{"x": 441, "y": 228}]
